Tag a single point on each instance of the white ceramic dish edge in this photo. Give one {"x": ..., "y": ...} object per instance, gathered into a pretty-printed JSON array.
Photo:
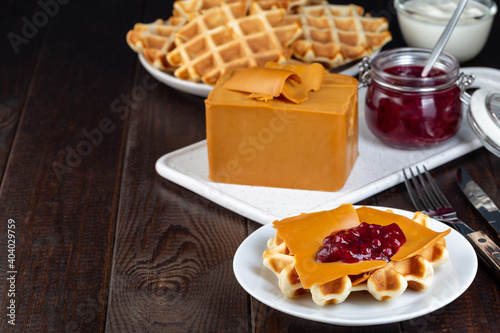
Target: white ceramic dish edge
[
  {"x": 449, "y": 282},
  {"x": 201, "y": 89}
]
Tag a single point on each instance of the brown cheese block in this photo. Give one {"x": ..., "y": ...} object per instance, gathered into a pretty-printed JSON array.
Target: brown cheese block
[{"x": 311, "y": 145}]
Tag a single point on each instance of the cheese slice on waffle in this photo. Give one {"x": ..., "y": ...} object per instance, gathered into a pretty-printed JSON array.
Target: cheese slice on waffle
[{"x": 291, "y": 256}]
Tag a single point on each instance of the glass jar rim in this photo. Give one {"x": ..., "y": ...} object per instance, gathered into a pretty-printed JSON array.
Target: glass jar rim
[
  {"x": 490, "y": 4},
  {"x": 483, "y": 120},
  {"x": 447, "y": 63}
]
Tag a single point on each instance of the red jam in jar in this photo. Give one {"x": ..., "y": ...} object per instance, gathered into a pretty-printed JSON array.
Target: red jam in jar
[
  {"x": 361, "y": 243},
  {"x": 405, "y": 110}
]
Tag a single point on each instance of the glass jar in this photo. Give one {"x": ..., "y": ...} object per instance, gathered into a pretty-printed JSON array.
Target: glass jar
[{"x": 405, "y": 110}]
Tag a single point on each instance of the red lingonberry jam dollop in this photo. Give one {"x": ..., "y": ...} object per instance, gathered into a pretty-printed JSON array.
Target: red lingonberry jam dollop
[
  {"x": 364, "y": 242},
  {"x": 413, "y": 119}
]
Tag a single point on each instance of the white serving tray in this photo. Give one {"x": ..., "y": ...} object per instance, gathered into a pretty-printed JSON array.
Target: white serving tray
[{"x": 377, "y": 168}]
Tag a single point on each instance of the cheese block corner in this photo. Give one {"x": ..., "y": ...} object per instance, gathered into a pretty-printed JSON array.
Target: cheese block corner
[{"x": 277, "y": 142}]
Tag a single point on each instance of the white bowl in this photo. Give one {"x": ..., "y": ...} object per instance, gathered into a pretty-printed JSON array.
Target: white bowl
[{"x": 423, "y": 21}]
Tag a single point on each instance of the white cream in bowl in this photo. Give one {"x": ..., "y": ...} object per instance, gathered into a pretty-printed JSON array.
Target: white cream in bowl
[{"x": 423, "y": 21}]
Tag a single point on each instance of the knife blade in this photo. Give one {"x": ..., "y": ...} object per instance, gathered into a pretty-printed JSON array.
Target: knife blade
[{"x": 479, "y": 199}]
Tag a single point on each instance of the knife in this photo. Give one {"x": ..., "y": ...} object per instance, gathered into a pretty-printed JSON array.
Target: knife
[{"x": 479, "y": 199}]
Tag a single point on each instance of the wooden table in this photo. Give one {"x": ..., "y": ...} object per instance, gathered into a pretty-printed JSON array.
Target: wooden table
[{"x": 102, "y": 242}]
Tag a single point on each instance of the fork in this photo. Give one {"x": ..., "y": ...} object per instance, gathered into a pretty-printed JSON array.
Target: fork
[{"x": 428, "y": 198}]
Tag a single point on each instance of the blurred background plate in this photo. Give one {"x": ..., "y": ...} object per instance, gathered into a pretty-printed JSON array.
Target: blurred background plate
[{"x": 202, "y": 89}]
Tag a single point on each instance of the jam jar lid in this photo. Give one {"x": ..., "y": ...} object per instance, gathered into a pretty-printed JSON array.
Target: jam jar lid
[{"x": 484, "y": 118}]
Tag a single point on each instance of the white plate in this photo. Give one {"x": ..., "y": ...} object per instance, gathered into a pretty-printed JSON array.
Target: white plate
[
  {"x": 202, "y": 89},
  {"x": 360, "y": 309},
  {"x": 193, "y": 88}
]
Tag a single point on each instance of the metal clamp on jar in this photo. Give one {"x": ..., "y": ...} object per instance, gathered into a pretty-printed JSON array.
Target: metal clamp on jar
[{"x": 405, "y": 110}]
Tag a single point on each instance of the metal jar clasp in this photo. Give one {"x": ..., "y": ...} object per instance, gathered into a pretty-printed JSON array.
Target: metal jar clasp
[
  {"x": 465, "y": 81},
  {"x": 364, "y": 78}
]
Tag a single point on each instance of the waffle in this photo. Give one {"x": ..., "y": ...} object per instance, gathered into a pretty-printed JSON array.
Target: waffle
[
  {"x": 155, "y": 40},
  {"x": 337, "y": 34},
  {"x": 386, "y": 283},
  {"x": 225, "y": 37},
  {"x": 203, "y": 38},
  {"x": 189, "y": 9}
]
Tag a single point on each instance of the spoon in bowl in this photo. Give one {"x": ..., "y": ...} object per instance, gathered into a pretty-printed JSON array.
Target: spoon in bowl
[{"x": 441, "y": 43}]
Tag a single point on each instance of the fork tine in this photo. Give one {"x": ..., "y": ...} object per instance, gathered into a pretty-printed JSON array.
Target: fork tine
[
  {"x": 431, "y": 192},
  {"x": 415, "y": 196},
  {"x": 419, "y": 184},
  {"x": 440, "y": 196},
  {"x": 411, "y": 192}
]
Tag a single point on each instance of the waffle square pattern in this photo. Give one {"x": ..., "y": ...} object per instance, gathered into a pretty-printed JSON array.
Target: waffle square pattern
[
  {"x": 337, "y": 34},
  {"x": 204, "y": 38},
  {"x": 224, "y": 38}
]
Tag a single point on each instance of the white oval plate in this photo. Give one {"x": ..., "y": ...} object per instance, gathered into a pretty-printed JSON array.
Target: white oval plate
[
  {"x": 193, "y": 88},
  {"x": 202, "y": 89},
  {"x": 360, "y": 309}
]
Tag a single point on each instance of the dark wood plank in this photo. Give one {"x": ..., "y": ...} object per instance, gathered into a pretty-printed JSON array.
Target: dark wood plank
[
  {"x": 484, "y": 291},
  {"x": 104, "y": 224},
  {"x": 65, "y": 206},
  {"x": 19, "y": 50},
  {"x": 173, "y": 253}
]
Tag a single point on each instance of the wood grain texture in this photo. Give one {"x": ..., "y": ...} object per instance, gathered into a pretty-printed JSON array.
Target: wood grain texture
[
  {"x": 65, "y": 224},
  {"x": 109, "y": 245},
  {"x": 457, "y": 315},
  {"x": 173, "y": 261},
  {"x": 19, "y": 46},
  {"x": 172, "y": 266}
]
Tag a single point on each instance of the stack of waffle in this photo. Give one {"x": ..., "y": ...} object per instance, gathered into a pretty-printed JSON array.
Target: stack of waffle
[
  {"x": 385, "y": 283},
  {"x": 203, "y": 38},
  {"x": 225, "y": 38}
]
